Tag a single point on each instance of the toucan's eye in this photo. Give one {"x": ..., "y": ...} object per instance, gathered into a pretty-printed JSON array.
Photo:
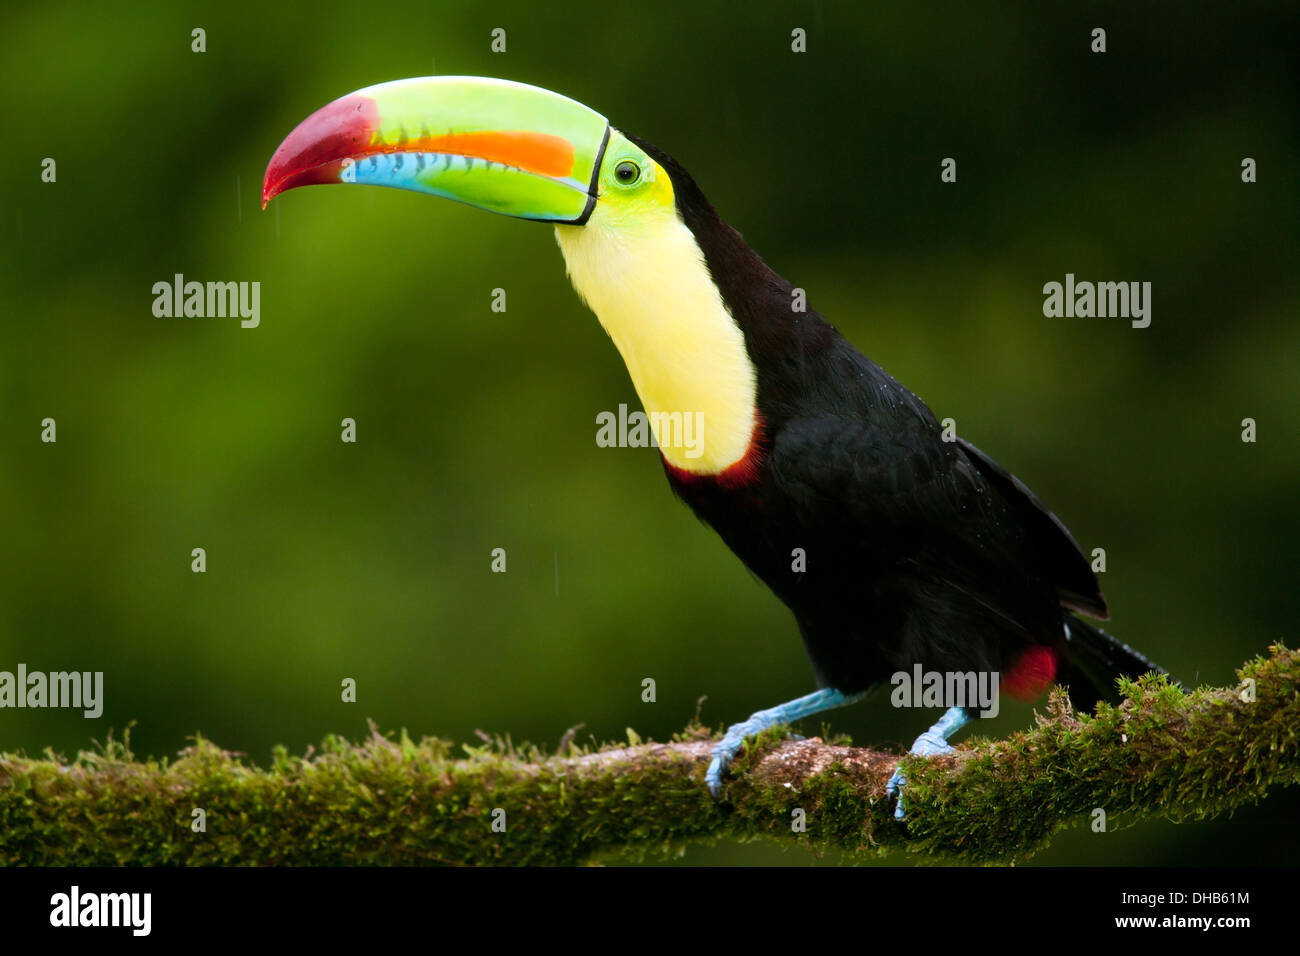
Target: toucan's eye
[{"x": 627, "y": 172}]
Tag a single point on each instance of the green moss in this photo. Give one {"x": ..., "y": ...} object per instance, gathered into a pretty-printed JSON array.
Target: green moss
[{"x": 392, "y": 800}]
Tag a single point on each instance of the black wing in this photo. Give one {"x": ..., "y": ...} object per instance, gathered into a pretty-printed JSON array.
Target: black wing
[{"x": 944, "y": 532}]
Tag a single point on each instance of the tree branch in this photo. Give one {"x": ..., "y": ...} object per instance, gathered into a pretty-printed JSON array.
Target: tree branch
[{"x": 1160, "y": 753}]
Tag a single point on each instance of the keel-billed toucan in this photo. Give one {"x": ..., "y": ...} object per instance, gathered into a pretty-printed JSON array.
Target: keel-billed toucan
[{"x": 892, "y": 546}]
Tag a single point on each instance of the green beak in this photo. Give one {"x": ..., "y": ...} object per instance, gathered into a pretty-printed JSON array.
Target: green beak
[{"x": 502, "y": 146}]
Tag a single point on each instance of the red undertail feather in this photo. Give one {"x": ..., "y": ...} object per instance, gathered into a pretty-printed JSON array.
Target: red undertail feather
[{"x": 1032, "y": 674}]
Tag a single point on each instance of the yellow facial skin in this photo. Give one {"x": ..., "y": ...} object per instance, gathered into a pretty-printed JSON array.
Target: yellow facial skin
[{"x": 639, "y": 268}]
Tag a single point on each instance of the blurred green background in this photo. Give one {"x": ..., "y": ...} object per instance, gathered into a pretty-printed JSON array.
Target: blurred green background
[{"x": 477, "y": 429}]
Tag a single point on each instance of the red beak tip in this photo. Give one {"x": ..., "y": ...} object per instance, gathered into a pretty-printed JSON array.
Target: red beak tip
[{"x": 269, "y": 191}]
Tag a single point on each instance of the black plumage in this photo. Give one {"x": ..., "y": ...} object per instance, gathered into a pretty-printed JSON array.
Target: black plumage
[{"x": 918, "y": 550}]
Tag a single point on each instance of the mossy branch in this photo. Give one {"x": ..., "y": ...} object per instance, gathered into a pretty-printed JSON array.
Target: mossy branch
[{"x": 1160, "y": 753}]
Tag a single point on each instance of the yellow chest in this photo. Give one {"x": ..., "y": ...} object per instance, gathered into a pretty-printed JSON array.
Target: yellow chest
[{"x": 648, "y": 284}]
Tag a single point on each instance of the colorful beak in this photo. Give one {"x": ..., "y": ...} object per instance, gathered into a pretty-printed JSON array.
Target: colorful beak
[{"x": 506, "y": 147}]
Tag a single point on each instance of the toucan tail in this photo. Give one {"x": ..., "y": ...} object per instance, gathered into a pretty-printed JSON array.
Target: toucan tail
[{"x": 1094, "y": 660}]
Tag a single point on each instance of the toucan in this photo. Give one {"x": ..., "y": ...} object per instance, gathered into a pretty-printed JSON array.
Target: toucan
[{"x": 899, "y": 547}]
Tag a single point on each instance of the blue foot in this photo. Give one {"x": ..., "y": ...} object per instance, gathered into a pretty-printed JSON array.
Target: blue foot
[
  {"x": 786, "y": 713},
  {"x": 932, "y": 743}
]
